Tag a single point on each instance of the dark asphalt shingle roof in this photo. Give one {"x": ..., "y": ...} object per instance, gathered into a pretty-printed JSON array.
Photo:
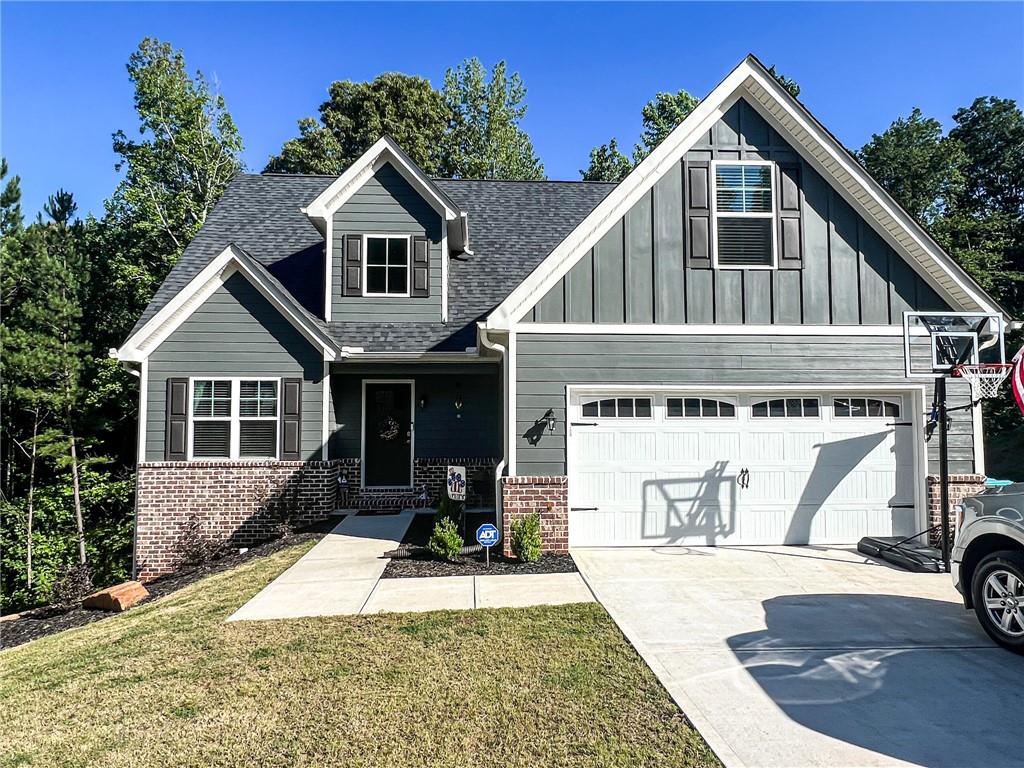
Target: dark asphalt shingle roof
[{"x": 513, "y": 225}]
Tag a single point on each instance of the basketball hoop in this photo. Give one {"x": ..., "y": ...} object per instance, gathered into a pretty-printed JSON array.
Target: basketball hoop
[{"x": 984, "y": 378}]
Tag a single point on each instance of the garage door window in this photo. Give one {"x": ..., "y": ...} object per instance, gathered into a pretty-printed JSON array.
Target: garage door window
[
  {"x": 618, "y": 408},
  {"x": 864, "y": 407},
  {"x": 693, "y": 407},
  {"x": 786, "y": 408}
]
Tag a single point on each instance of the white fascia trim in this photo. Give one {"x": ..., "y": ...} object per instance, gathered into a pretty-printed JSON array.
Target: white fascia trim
[
  {"x": 746, "y": 79},
  {"x": 198, "y": 290},
  {"x": 383, "y": 151},
  {"x": 426, "y": 357},
  {"x": 809, "y": 131},
  {"x": 597, "y": 329}
]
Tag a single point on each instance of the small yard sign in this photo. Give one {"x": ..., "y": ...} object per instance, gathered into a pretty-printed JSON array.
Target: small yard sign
[
  {"x": 487, "y": 536},
  {"x": 457, "y": 483}
]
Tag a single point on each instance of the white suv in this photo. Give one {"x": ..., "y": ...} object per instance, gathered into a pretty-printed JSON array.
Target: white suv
[{"x": 988, "y": 561}]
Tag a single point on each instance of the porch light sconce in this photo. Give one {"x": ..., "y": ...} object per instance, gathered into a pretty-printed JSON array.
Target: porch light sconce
[
  {"x": 423, "y": 402},
  {"x": 549, "y": 417},
  {"x": 458, "y": 401}
]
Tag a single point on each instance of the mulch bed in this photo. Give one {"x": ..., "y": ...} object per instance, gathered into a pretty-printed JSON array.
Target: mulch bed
[
  {"x": 49, "y": 620},
  {"x": 425, "y": 564}
]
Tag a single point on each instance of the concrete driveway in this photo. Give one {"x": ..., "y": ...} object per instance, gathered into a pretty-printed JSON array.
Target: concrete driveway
[{"x": 800, "y": 656}]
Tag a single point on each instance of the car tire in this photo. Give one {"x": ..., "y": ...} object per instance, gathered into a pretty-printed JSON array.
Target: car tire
[{"x": 997, "y": 588}]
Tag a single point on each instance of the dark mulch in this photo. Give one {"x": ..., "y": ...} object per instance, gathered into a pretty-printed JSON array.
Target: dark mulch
[
  {"x": 425, "y": 564},
  {"x": 50, "y": 620}
]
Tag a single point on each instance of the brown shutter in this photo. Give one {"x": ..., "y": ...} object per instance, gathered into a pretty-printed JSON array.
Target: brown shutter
[
  {"x": 291, "y": 419},
  {"x": 352, "y": 265},
  {"x": 176, "y": 425},
  {"x": 697, "y": 204},
  {"x": 790, "y": 204},
  {"x": 420, "y": 267}
]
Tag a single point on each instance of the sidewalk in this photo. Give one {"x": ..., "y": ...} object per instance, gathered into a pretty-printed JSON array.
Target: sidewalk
[{"x": 340, "y": 576}]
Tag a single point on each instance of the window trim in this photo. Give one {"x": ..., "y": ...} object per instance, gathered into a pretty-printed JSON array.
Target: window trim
[
  {"x": 408, "y": 264},
  {"x": 767, "y": 400},
  {"x": 687, "y": 396},
  {"x": 234, "y": 430},
  {"x": 896, "y": 400},
  {"x": 616, "y": 397},
  {"x": 773, "y": 215}
]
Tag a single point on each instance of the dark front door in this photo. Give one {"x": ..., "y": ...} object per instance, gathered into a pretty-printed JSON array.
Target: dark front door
[{"x": 387, "y": 436}]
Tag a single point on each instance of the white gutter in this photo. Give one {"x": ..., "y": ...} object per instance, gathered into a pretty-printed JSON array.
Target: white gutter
[{"x": 500, "y": 468}]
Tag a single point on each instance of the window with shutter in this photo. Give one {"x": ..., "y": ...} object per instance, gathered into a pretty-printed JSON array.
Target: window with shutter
[
  {"x": 234, "y": 419},
  {"x": 744, "y": 214}
]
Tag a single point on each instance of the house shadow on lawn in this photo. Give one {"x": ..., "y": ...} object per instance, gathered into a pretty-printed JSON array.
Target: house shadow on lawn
[{"x": 912, "y": 678}]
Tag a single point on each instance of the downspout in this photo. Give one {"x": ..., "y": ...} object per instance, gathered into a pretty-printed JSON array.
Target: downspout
[{"x": 499, "y": 470}]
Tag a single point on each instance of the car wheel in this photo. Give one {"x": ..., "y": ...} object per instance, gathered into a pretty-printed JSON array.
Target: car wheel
[{"x": 998, "y": 591}]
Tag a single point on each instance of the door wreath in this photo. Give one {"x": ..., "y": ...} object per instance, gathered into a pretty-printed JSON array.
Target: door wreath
[{"x": 388, "y": 429}]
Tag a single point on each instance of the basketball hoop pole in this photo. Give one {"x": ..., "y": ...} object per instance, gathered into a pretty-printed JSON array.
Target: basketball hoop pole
[{"x": 940, "y": 395}]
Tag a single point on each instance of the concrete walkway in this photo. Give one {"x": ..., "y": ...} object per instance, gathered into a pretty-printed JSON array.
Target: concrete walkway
[
  {"x": 336, "y": 576},
  {"x": 341, "y": 576},
  {"x": 786, "y": 657}
]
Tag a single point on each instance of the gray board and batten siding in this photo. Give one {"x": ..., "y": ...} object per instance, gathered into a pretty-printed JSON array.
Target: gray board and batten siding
[
  {"x": 236, "y": 332},
  {"x": 474, "y": 431},
  {"x": 386, "y": 204},
  {"x": 652, "y": 265},
  {"x": 546, "y": 363}
]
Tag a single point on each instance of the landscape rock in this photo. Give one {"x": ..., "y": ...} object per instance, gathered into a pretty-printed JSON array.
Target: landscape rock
[{"x": 117, "y": 598}]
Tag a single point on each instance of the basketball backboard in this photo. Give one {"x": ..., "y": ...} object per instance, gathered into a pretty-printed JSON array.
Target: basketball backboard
[{"x": 934, "y": 343}]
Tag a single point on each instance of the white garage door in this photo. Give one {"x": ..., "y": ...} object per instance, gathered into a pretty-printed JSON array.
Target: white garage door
[{"x": 657, "y": 468}]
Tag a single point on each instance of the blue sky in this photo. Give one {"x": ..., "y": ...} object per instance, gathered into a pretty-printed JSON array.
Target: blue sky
[{"x": 589, "y": 68}]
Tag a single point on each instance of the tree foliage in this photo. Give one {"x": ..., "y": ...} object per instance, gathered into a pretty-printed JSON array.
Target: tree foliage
[
  {"x": 607, "y": 163},
  {"x": 404, "y": 107},
  {"x": 484, "y": 139}
]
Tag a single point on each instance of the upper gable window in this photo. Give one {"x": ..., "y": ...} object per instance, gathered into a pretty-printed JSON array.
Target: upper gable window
[
  {"x": 387, "y": 265},
  {"x": 744, "y": 214}
]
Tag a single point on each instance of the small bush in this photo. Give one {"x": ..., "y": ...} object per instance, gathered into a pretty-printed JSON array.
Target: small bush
[
  {"x": 454, "y": 510},
  {"x": 73, "y": 583},
  {"x": 445, "y": 541},
  {"x": 526, "y": 538},
  {"x": 194, "y": 547}
]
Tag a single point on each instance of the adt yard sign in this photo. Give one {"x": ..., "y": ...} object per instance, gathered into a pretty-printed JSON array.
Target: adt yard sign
[
  {"x": 487, "y": 536},
  {"x": 457, "y": 483}
]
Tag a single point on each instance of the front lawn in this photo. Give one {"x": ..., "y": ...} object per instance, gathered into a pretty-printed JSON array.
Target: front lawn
[{"x": 169, "y": 684}]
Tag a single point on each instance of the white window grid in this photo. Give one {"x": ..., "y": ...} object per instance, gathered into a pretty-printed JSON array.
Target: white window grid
[
  {"x": 620, "y": 410},
  {"x": 387, "y": 265},
  {"x": 235, "y": 419},
  {"x": 701, "y": 401},
  {"x": 872, "y": 407},
  {"x": 786, "y": 408},
  {"x": 716, "y": 214}
]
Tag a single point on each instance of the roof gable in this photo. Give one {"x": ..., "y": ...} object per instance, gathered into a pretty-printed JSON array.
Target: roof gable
[
  {"x": 751, "y": 81},
  {"x": 232, "y": 260}
]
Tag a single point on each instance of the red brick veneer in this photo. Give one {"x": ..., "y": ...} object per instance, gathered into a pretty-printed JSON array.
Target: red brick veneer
[
  {"x": 522, "y": 496},
  {"x": 959, "y": 486},
  {"x": 238, "y": 503}
]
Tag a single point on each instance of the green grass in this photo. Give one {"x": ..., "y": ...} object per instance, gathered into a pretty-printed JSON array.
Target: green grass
[{"x": 169, "y": 684}]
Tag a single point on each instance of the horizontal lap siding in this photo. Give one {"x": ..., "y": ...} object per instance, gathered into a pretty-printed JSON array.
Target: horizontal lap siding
[
  {"x": 236, "y": 332},
  {"x": 849, "y": 275},
  {"x": 441, "y": 431},
  {"x": 386, "y": 204},
  {"x": 547, "y": 363}
]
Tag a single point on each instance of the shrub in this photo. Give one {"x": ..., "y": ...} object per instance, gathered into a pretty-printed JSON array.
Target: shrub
[
  {"x": 445, "y": 541},
  {"x": 526, "y": 538},
  {"x": 194, "y": 547},
  {"x": 454, "y": 510}
]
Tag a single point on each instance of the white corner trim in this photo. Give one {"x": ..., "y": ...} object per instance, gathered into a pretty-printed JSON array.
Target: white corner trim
[
  {"x": 197, "y": 291},
  {"x": 978, "y": 428},
  {"x": 143, "y": 410},
  {"x": 326, "y": 427},
  {"x": 510, "y": 405},
  {"x": 383, "y": 151},
  {"x": 328, "y": 270},
  {"x": 747, "y": 79},
  {"x": 444, "y": 273}
]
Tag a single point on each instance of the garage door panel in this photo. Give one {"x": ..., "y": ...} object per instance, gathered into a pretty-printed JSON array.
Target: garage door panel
[{"x": 820, "y": 479}]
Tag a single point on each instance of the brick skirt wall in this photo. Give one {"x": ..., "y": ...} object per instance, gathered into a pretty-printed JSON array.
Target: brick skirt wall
[
  {"x": 522, "y": 496},
  {"x": 239, "y": 504},
  {"x": 428, "y": 475},
  {"x": 959, "y": 486}
]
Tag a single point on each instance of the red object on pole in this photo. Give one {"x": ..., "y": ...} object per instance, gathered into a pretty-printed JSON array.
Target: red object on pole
[{"x": 1017, "y": 379}]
